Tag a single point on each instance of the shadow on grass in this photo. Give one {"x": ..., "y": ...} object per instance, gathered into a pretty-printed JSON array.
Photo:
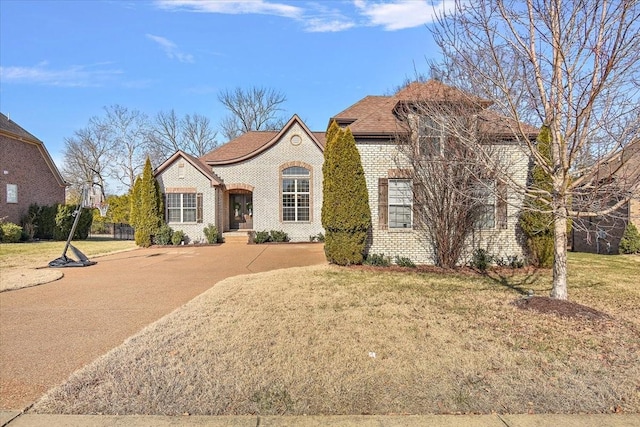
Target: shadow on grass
[{"x": 516, "y": 282}]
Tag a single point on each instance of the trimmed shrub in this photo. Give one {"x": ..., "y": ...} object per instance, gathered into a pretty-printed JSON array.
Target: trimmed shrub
[
  {"x": 481, "y": 259},
  {"x": 346, "y": 216},
  {"x": 164, "y": 235},
  {"x": 11, "y": 232},
  {"x": 630, "y": 241},
  {"x": 537, "y": 224},
  {"x": 64, "y": 221},
  {"x": 177, "y": 237},
  {"x": 378, "y": 260},
  {"x": 261, "y": 237},
  {"x": 279, "y": 236},
  {"x": 404, "y": 262},
  {"x": 211, "y": 234}
]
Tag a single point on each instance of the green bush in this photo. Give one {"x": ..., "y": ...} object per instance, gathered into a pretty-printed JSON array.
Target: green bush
[
  {"x": 146, "y": 206},
  {"x": 177, "y": 237},
  {"x": 11, "y": 232},
  {"x": 630, "y": 242},
  {"x": 261, "y": 237},
  {"x": 211, "y": 234},
  {"x": 64, "y": 222},
  {"x": 378, "y": 260},
  {"x": 43, "y": 220},
  {"x": 279, "y": 236},
  {"x": 317, "y": 238},
  {"x": 164, "y": 234},
  {"x": 481, "y": 259},
  {"x": 346, "y": 216},
  {"x": 404, "y": 262},
  {"x": 28, "y": 226}
]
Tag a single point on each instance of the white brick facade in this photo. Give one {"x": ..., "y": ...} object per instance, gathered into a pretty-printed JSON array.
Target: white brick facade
[
  {"x": 378, "y": 158},
  {"x": 262, "y": 174},
  {"x": 180, "y": 176}
]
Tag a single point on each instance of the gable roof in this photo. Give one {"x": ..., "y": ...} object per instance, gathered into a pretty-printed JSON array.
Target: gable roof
[
  {"x": 193, "y": 161},
  {"x": 374, "y": 116},
  {"x": 12, "y": 130},
  {"x": 252, "y": 143}
]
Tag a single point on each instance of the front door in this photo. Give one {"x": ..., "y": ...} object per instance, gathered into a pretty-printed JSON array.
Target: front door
[{"x": 241, "y": 211}]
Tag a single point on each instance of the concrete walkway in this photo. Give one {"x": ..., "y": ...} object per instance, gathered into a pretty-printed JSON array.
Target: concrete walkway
[
  {"x": 316, "y": 421},
  {"x": 49, "y": 331}
]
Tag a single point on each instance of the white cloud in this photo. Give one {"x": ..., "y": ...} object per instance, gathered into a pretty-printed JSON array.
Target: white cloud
[
  {"x": 234, "y": 7},
  {"x": 73, "y": 76},
  {"x": 401, "y": 14},
  {"x": 171, "y": 49},
  {"x": 317, "y": 25}
]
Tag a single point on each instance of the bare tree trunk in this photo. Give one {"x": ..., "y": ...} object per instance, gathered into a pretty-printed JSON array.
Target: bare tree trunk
[{"x": 559, "y": 288}]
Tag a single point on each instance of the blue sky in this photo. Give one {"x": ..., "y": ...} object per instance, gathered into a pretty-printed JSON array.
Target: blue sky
[{"x": 61, "y": 62}]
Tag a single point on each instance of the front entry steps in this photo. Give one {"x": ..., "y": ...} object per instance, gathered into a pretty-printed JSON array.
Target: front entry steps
[{"x": 237, "y": 237}]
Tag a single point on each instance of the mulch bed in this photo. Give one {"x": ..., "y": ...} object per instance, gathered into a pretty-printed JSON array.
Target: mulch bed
[{"x": 560, "y": 308}]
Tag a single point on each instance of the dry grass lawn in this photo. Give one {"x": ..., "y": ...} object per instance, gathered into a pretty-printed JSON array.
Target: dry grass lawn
[
  {"x": 328, "y": 340},
  {"x": 25, "y": 264}
]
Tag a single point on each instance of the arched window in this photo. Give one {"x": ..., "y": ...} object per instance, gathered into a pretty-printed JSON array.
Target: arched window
[{"x": 296, "y": 200}]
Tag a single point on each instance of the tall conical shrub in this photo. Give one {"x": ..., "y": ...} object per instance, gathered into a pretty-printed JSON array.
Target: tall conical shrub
[
  {"x": 537, "y": 224},
  {"x": 346, "y": 216},
  {"x": 146, "y": 212}
]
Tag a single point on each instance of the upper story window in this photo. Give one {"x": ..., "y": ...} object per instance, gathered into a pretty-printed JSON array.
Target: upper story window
[
  {"x": 431, "y": 135},
  {"x": 296, "y": 194}
]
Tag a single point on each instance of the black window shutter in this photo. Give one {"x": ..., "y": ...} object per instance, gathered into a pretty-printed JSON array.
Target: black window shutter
[{"x": 199, "y": 207}]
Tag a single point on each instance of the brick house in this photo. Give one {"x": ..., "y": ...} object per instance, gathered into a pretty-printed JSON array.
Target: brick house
[
  {"x": 602, "y": 235},
  {"x": 264, "y": 180},
  {"x": 273, "y": 181},
  {"x": 376, "y": 125},
  {"x": 27, "y": 172}
]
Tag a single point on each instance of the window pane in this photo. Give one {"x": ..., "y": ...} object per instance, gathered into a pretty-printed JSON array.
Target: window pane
[
  {"x": 288, "y": 214},
  {"x": 303, "y": 185},
  {"x": 399, "y": 217},
  {"x": 400, "y": 192},
  {"x": 288, "y": 200},
  {"x": 173, "y": 215},
  {"x": 189, "y": 200},
  {"x": 288, "y": 185},
  {"x": 295, "y": 170},
  {"x": 303, "y": 214},
  {"x": 173, "y": 200},
  {"x": 189, "y": 215}
]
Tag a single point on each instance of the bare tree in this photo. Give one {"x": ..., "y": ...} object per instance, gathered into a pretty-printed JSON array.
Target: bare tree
[
  {"x": 572, "y": 66},
  {"x": 170, "y": 133},
  {"x": 88, "y": 154},
  {"x": 128, "y": 131},
  {"x": 457, "y": 167},
  {"x": 256, "y": 108}
]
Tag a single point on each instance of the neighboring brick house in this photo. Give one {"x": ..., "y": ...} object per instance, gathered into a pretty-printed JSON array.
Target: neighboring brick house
[
  {"x": 602, "y": 234},
  {"x": 27, "y": 172},
  {"x": 375, "y": 125},
  {"x": 262, "y": 180}
]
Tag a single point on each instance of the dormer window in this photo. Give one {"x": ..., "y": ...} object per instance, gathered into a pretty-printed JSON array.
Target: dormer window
[{"x": 431, "y": 136}]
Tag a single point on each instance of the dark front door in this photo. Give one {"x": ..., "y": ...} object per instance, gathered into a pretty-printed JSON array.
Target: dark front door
[{"x": 241, "y": 211}]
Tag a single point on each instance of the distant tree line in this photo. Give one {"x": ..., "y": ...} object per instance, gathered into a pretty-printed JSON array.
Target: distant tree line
[{"x": 115, "y": 145}]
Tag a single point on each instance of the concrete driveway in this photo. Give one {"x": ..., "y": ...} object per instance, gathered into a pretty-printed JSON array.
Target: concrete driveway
[{"x": 49, "y": 331}]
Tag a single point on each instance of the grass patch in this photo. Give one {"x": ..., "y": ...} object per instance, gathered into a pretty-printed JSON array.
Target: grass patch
[
  {"x": 328, "y": 340},
  {"x": 38, "y": 254}
]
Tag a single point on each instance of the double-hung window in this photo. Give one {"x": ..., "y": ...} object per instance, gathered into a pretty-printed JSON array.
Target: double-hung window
[
  {"x": 400, "y": 203},
  {"x": 430, "y": 136},
  {"x": 296, "y": 200},
  {"x": 485, "y": 195},
  {"x": 183, "y": 207}
]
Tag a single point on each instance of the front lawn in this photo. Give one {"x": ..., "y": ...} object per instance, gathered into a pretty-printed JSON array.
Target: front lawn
[{"x": 329, "y": 340}]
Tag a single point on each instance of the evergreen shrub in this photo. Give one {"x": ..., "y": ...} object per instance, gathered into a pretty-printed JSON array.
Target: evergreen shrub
[
  {"x": 630, "y": 242},
  {"x": 11, "y": 232}
]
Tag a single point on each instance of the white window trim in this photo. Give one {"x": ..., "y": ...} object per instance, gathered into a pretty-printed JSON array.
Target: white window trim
[
  {"x": 487, "y": 190},
  {"x": 295, "y": 193},
  {"x": 182, "y": 209}
]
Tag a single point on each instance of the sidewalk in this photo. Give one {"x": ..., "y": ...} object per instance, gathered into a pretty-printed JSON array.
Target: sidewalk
[{"x": 322, "y": 421}]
